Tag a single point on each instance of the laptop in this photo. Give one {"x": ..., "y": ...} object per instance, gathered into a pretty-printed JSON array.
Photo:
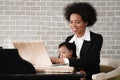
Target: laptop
[{"x": 36, "y": 53}]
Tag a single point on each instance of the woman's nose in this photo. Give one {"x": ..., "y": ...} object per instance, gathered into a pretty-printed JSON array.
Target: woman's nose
[
  {"x": 61, "y": 56},
  {"x": 73, "y": 25}
]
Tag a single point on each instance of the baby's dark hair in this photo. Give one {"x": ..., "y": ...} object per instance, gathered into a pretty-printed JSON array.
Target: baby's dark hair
[
  {"x": 69, "y": 46},
  {"x": 84, "y": 9}
]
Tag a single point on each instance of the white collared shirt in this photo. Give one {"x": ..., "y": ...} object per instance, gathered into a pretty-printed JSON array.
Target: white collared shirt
[{"x": 79, "y": 42}]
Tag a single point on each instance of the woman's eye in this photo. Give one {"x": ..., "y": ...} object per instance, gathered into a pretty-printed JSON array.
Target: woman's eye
[
  {"x": 77, "y": 22},
  {"x": 71, "y": 22},
  {"x": 63, "y": 52}
]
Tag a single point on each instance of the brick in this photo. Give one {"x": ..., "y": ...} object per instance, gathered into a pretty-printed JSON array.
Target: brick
[
  {"x": 101, "y": 3},
  {"x": 111, "y": 13},
  {"x": 19, "y": 3},
  {"x": 14, "y": 8},
  {"x": 30, "y": 3},
  {"x": 35, "y": 38},
  {"x": 20, "y": 33},
  {"x": 116, "y": 56},
  {"x": 10, "y": 33},
  {"x": 9, "y": 3}
]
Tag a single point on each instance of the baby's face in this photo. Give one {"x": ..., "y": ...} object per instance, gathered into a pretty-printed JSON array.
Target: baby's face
[{"x": 64, "y": 52}]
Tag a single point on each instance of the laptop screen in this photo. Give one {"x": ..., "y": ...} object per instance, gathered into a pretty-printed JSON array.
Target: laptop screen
[{"x": 34, "y": 52}]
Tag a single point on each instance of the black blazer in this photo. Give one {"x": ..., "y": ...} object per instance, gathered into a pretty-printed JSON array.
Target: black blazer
[
  {"x": 12, "y": 63},
  {"x": 89, "y": 55}
]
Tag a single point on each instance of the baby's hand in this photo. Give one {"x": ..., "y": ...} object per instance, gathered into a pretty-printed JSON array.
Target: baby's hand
[
  {"x": 54, "y": 60},
  {"x": 57, "y": 60}
]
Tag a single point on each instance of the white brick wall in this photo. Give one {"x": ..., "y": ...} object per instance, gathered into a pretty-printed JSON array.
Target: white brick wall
[{"x": 42, "y": 20}]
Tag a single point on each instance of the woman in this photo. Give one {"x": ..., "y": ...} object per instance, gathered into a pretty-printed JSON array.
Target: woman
[{"x": 81, "y": 16}]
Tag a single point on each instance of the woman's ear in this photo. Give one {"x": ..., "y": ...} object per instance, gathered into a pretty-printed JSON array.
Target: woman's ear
[{"x": 86, "y": 23}]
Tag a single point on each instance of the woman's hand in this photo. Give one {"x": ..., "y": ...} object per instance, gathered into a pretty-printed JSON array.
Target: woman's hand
[{"x": 57, "y": 60}]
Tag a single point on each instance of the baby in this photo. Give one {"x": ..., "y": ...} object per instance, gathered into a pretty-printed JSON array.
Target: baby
[{"x": 68, "y": 50}]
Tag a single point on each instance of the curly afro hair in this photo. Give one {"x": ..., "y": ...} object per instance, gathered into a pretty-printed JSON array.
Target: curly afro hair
[{"x": 85, "y": 10}]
